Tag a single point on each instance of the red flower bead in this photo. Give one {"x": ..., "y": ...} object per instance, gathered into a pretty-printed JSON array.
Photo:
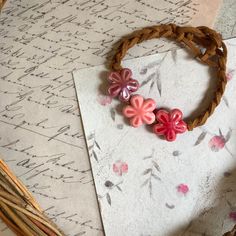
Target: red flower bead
[
  {"x": 122, "y": 84},
  {"x": 169, "y": 124},
  {"x": 140, "y": 111}
]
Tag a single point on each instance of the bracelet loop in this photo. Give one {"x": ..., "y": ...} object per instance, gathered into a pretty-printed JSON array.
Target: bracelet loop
[{"x": 206, "y": 45}]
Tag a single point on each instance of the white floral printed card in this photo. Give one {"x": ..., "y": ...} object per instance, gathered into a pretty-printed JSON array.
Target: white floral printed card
[{"x": 145, "y": 185}]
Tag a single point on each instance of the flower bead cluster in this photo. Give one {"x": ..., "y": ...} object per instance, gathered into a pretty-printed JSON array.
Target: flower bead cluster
[{"x": 142, "y": 111}]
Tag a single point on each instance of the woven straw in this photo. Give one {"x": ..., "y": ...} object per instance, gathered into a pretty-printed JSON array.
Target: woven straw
[
  {"x": 2, "y": 2},
  {"x": 19, "y": 210}
]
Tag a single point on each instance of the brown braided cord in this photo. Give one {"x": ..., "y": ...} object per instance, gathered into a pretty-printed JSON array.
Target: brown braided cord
[
  {"x": 215, "y": 55},
  {"x": 2, "y": 2},
  {"x": 232, "y": 232}
]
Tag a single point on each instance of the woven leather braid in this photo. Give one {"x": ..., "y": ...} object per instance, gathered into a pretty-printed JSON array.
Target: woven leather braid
[
  {"x": 215, "y": 55},
  {"x": 232, "y": 232}
]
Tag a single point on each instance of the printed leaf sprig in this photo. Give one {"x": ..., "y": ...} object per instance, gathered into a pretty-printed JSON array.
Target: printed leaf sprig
[
  {"x": 151, "y": 173},
  {"x": 200, "y": 138},
  {"x": 93, "y": 147},
  {"x": 153, "y": 78},
  {"x": 218, "y": 142},
  {"x": 110, "y": 186}
]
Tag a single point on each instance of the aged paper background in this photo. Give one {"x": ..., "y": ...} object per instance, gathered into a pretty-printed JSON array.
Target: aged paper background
[
  {"x": 145, "y": 185},
  {"x": 41, "y": 43},
  {"x": 226, "y": 19}
]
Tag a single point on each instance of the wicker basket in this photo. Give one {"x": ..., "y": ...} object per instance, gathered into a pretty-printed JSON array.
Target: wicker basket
[
  {"x": 2, "y": 3},
  {"x": 19, "y": 210}
]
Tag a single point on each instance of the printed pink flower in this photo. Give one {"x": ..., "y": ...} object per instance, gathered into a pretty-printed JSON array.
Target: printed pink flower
[
  {"x": 140, "y": 111},
  {"x": 120, "y": 168},
  {"x": 104, "y": 100},
  {"x": 183, "y": 188},
  {"x": 232, "y": 215},
  {"x": 169, "y": 124},
  {"x": 216, "y": 143},
  {"x": 229, "y": 75},
  {"x": 122, "y": 84}
]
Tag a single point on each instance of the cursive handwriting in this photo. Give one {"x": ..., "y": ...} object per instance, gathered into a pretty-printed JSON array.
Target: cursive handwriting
[{"x": 41, "y": 135}]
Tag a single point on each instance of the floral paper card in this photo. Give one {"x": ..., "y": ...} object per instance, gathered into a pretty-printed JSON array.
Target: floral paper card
[{"x": 145, "y": 185}]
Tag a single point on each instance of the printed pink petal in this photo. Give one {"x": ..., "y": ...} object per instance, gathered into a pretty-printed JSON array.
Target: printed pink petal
[
  {"x": 132, "y": 85},
  {"x": 124, "y": 95},
  {"x": 114, "y": 90},
  {"x": 115, "y": 168},
  {"x": 136, "y": 121},
  {"x": 183, "y": 188},
  {"x": 176, "y": 115},
  {"x": 216, "y": 143},
  {"x": 180, "y": 127},
  {"x": 163, "y": 116},
  {"x": 232, "y": 215},
  {"x": 104, "y": 100},
  {"x": 229, "y": 75},
  {"x": 148, "y": 118},
  {"x": 137, "y": 101},
  {"x": 149, "y": 105},
  {"x": 120, "y": 167},
  {"x": 125, "y": 74},
  {"x": 129, "y": 111},
  {"x": 170, "y": 135},
  {"x": 159, "y": 129},
  {"x": 114, "y": 77},
  {"x": 124, "y": 168}
]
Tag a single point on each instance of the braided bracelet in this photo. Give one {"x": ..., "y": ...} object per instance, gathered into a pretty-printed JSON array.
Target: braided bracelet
[{"x": 206, "y": 45}]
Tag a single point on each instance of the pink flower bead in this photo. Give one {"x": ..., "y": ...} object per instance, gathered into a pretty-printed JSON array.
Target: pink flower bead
[
  {"x": 169, "y": 124},
  {"x": 122, "y": 84},
  {"x": 140, "y": 111}
]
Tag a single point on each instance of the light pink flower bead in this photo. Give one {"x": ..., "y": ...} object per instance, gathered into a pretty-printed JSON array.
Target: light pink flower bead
[
  {"x": 169, "y": 124},
  {"x": 140, "y": 111}
]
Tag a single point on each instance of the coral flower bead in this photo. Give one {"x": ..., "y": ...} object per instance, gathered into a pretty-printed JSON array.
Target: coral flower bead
[{"x": 140, "y": 111}]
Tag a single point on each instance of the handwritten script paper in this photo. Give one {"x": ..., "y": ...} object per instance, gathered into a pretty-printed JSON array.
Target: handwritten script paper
[
  {"x": 145, "y": 185},
  {"x": 41, "y": 43},
  {"x": 226, "y": 20}
]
